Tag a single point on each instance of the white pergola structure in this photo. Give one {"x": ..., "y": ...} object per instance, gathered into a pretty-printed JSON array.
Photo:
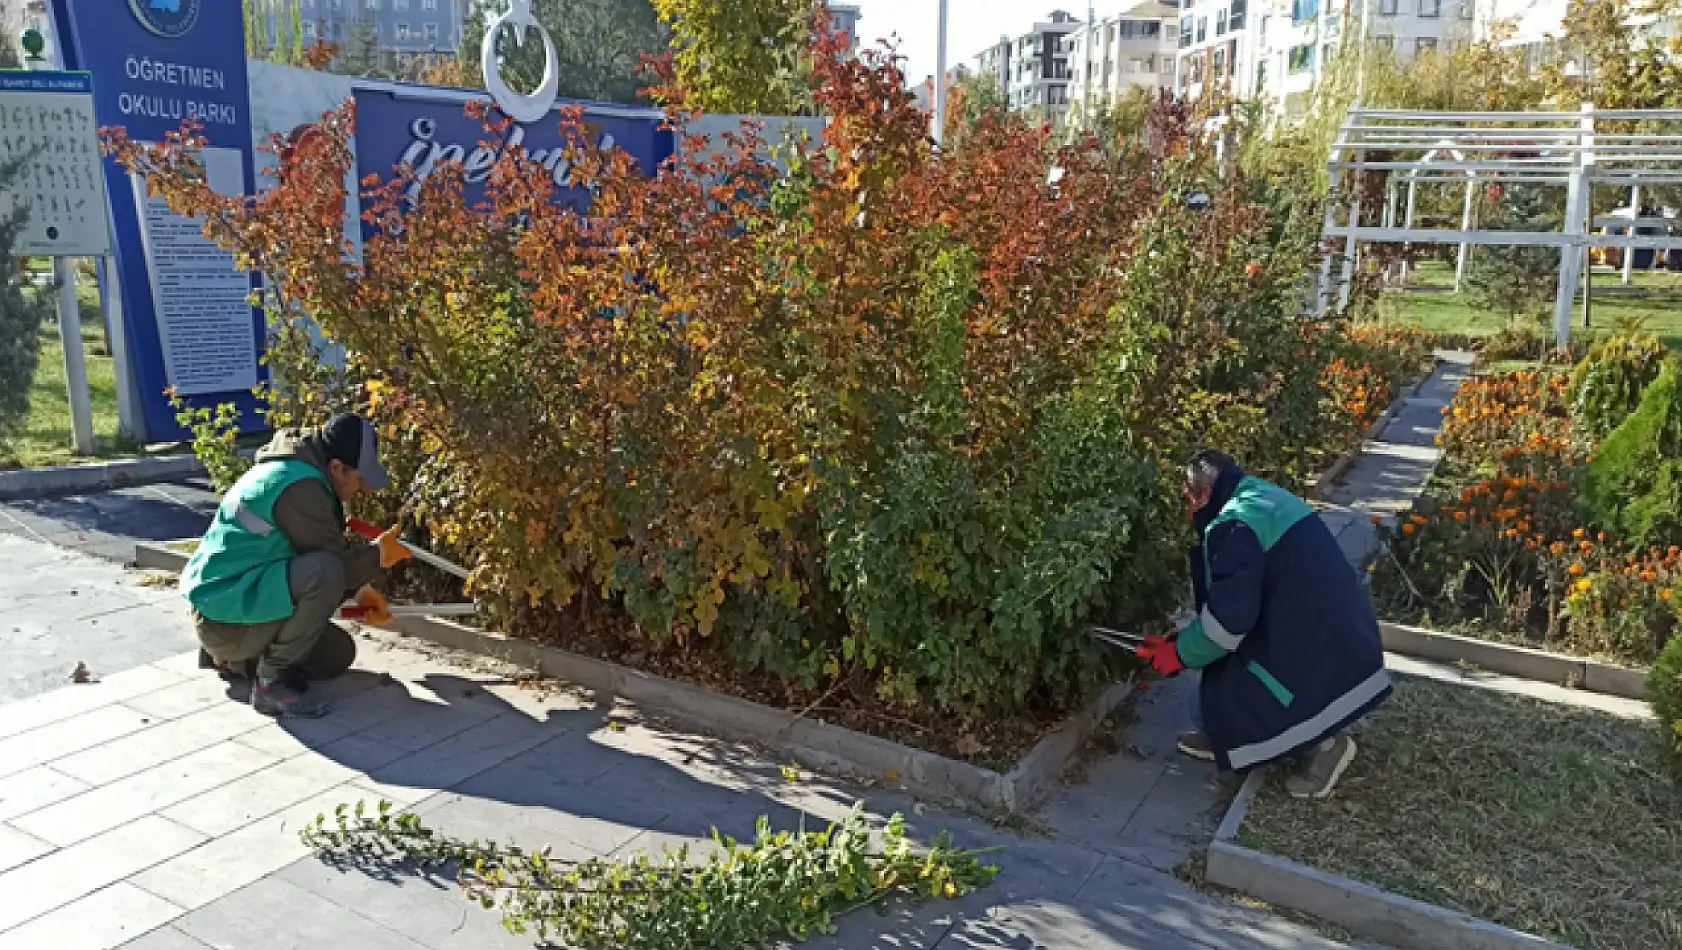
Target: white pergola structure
[{"x": 1479, "y": 149}]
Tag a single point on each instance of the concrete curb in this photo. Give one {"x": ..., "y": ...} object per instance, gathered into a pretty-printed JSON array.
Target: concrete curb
[
  {"x": 1328, "y": 479},
  {"x": 26, "y": 483},
  {"x": 816, "y": 745},
  {"x": 159, "y": 557},
  {"x": 1368, "y": 911},
  {"x": 1522, "y": 662}
]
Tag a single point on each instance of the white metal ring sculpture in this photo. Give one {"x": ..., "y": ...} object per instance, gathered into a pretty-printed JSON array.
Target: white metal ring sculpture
[{"x": 520, "y": 108}]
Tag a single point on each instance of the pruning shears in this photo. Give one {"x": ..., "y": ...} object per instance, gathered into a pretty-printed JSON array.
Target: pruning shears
[
  {"x": 413, "y": 610},
  {"x": 372, "y": 533},
  {"x": 1118, "y": 638}
]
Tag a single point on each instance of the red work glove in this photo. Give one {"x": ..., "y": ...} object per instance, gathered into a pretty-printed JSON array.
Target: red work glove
[
  {"x": 1162, "y": 655},
  {"x": 376, "y": 611}
]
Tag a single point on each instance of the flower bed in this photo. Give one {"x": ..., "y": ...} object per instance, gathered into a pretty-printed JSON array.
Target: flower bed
[
  {"x": 1552, "y": 820},
  {"x": 1502, "y": 546}
]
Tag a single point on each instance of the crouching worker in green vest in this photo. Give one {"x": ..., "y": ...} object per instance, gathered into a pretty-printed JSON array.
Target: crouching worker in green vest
[{"x": 276, "y": 565}]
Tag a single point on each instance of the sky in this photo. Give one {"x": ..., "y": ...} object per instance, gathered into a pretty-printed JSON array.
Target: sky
[{"x": 971, "y": 25}]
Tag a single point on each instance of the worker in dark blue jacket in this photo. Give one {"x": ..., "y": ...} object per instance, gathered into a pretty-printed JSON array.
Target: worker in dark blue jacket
[{"x": 1285, "y": 636}]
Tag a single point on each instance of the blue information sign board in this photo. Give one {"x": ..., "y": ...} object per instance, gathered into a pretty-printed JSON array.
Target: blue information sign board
[{"x": 156, "y": 63}]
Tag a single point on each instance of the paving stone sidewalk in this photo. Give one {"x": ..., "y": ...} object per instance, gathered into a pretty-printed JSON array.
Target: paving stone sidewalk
[
  {"x": 152, "y": 810},
  {"x": 1392, "y": 469}
]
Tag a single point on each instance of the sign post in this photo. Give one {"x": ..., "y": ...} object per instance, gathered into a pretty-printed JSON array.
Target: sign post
[{"x": 47, "y": 125}]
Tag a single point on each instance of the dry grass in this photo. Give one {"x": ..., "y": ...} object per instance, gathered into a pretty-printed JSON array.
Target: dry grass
[{"x": 1553, "y": 820}]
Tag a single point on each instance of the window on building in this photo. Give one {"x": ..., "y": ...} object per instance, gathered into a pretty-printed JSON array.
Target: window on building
[
  {"x": 1235, "y": 19},
  {"x": 1302, "y": 59},
  {"x": 1387, "y": 7},
  {"x": 1202, "y": 28},
  {"x": 1261, "y": 78},
  {"x": 402, "y": 30},
  {"x": 400, "y": 5},
  {"x": 1430, "y": 8},
  {"x": 1466, "y": 9},
  {"x": 1386, "y": 44},
  {"x": 373, "y": 4},
  {"x": 1304, "y": 11},
  {"x": 309, "y": 29},
  {"x": 1185, "y": 32},
  {"x": 1196, "y": 69},
  {"x": 338, "y": 4},
  {"x": 1220, "y": 23},
  {"x": 1217, "y": 66},
  {"x": 1424, "y": 45},
  {"x": 431, "y": 31},
  {"x": 429, "y": 4},
  {"x": 1153, "y": 29}
]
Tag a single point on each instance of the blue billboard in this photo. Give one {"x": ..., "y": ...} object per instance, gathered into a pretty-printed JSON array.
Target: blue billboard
[
  {"x": 426, "y": 127},
  {"x": 156, "y": 63}
]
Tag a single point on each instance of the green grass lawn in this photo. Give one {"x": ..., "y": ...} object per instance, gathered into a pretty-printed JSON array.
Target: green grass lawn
[
  {"x": 1430, "y": 304},
  {"x": 46, "y": 436}
]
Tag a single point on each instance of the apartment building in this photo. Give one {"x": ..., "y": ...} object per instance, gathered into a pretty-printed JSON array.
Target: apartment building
[
  {"x": 844, "y": 18},
  {"x": 1033, "y": 68},
  {"x": 1109, "y": 56},
  {"x": 1217, "y": 46},
  {"x": 404, "y": 31}
]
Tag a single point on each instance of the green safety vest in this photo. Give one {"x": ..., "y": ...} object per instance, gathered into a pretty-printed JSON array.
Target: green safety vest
[
  {"x": 1268, "y": 510},
  {"x": 239, "y": 572}
]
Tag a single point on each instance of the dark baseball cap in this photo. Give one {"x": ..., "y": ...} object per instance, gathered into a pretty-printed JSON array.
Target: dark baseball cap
[{"x": 351, "y": 439}]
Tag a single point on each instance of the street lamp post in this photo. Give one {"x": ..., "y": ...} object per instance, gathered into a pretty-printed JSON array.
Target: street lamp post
[{"x": 939, "y": 130}]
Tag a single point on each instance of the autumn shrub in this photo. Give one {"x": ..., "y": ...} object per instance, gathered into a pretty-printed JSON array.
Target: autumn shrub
[
  {"x": 894, "y": 420},
  {"x": 1607, "y": 385},
  {"x": 1664, "y": 690},
  {"x": 1635, "y": 482}
]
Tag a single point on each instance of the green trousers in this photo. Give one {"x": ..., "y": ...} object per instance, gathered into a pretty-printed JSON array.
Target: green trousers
[{"x": 307, "y": 641}]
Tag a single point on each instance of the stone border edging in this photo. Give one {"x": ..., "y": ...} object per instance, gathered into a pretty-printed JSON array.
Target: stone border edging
[
  {"x": 1368, "y": 911},
  {"x": 26, "y": 483},
  {"x": 1522, "y": 662},
  {"x": 1327, "y": 480},
  {"x": 158, "y": 557},
  {"x": 813, "y": 744},
  {"x": 816, "y": 745}
]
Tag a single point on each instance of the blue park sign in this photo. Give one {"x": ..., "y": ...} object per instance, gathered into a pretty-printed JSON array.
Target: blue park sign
[{"x": 156, "y": 63}]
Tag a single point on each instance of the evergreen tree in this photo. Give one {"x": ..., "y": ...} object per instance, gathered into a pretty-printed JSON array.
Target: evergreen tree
[
  {"x": 599, "y": 45},
  {"x": 1521, "y": 280},
  {"x": 22, "y": 310}
]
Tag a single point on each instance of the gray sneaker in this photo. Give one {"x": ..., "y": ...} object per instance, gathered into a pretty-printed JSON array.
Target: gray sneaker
[
  {"x": 1318, "y": 778},
  {"x": 1195, "y": 745},
  {"x": 285, "y": 700}
]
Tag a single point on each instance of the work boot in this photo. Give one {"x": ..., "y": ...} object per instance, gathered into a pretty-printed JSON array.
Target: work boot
[
  {"x": 287, "y": 697},
  {"x": 1319, "y": 777},
  {"x": 1195, "y": 745}
]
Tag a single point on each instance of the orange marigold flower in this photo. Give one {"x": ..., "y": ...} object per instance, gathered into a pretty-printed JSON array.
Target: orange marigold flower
[
  {"x": 1408, "y": 529},
  {"x": 1578, "y": 533},
  {"x": 1649, "y": 576},
  {"x": 1585, "y": 585},
  {"x": 1577, "y": 570},
  {"x": 1460, "y": 516},
  {"x": 1666, "y": 594}
]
